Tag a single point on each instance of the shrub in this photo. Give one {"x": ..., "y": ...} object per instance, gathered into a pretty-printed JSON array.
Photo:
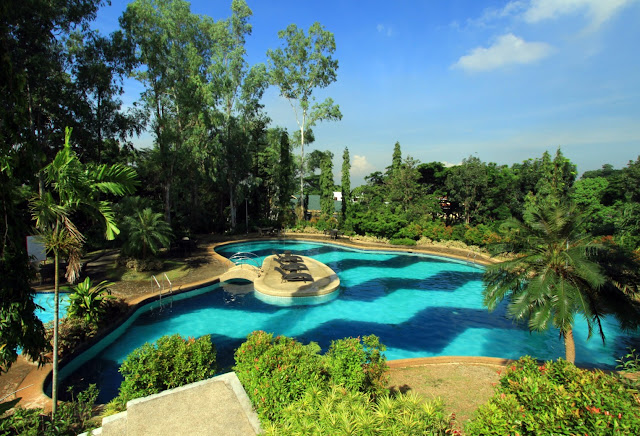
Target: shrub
[
  {"x": 558, "y": 398},
  {"x": 88, "y": 301},
  {"x": 171, "y": 362},
  {"x": 411, "y": 231},
  {"x": 402, "y": 241},
  {"x": 358, "y": 365},
  {"x": 338, "y": 411},
  {"x": 72, "y": 417},
  {"x": 277, "y": 371}
]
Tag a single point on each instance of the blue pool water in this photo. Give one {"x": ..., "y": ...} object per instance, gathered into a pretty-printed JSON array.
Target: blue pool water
[
  {"x": 418, "y": 305},
  {"x": 46, "y": 301}
]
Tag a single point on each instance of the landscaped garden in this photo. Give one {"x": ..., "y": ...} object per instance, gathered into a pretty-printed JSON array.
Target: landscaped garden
[{"x": 110, "y": 224}]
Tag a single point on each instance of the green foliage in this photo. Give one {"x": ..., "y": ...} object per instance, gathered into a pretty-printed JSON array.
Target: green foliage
[
  {"x": 402, "y": 241},
  {"x": 630, "y": 362},
  {"x": 338, "y": 411},
  {"x": 87, "y": 301},
  {"x": 147, "y": 232},
  {"x": 558, "y": 398},
  {"x": 73, "y": 418},
  {"x": 171, "y": 362},
  {"x": 556, "y": 275},
  {"x": 277, "y": 371},
  {"x": 358, "y": 365}
]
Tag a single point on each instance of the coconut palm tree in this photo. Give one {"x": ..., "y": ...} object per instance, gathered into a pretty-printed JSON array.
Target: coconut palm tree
[
  {"x": 71, "y": 188},
  {"x": 556, "y": 274},
  {"x": 148, "y": 232}
]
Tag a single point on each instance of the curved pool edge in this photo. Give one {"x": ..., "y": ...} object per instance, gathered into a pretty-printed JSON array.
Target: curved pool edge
[
  {"x": 446, "y": 252},
  {"x": 33, "y": 392}
]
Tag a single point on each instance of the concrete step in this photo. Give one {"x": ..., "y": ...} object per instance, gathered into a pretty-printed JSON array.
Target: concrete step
[{"x": 217, "y": 406}]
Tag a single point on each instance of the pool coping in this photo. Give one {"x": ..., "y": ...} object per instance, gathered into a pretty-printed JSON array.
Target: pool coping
[{"x": 32, "y": 387}]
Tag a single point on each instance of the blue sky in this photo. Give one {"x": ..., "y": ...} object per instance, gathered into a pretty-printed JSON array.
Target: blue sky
[{"x": 501, "y": 80}]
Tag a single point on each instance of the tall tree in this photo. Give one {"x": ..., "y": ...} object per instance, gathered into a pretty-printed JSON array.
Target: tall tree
[
  {"x": 466, "y": 183},
  {"x": 326, "y": 185},
  {"x": 173, "y": 49},
  {"x": 240, "y": 89},
  {"x": 396, "y": 159},
  {"x": 346, "y": 184},
  {"x": 304, "y": 64},
  {"x": 71, "y": 188},
  {"x": 556, "y": 275}
]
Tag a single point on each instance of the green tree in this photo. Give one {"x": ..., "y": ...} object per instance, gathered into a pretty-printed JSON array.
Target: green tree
[
  {"x": 396, "y": 159},
  {"x": 555, "y": 276},
  {"x": 74, "y": 188},
  {"x": 147, "y": 232},
  {"x": 346, "y": 184},
  {"x": 465, "y": 185},
  {"x": 327, "y": 186},
  {"x": 304, "y": 64}
]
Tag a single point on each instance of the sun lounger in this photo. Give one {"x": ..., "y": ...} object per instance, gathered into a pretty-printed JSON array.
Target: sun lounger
[
  {"x": 294, "y": 266},
  {"x": 294, "y": 276},
  {"x": 288, "y": 258}
]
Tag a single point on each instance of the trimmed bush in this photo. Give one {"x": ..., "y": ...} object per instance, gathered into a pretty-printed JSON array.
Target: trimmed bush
[
  {"x": 338, "y": 411},
  {"x": 171, "y": 362},
  {"x": 277, "y": 371},
  {"x": 358, "y": 365},
  {"x": 402, "y": 241},
  {"x": 558, "y": 398}
]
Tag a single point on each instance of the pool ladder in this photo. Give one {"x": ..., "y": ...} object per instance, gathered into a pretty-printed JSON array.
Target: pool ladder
[
  {"x": 162, "y": 289},
  {"x": 469, "y": 257}
]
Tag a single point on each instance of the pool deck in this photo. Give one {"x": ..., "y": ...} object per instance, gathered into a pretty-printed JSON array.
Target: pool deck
[{"x": 270, "y": 282}]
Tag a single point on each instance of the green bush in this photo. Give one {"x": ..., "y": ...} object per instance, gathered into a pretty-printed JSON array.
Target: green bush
[
  {"x": 402, "y": 241},
  {"x": 89, "y": 302},
  {"x": 171, "y": 362},
  {"x": 411, "y": 231},
  {"x": 437, "y": 231},
  {"x": 358, "y": 365},
  {"x": 277, "y": 371},
  {"x": 558, "y": 398},
  {"x": 72, "y": 417},
  {"x": 338, "y": 411}
]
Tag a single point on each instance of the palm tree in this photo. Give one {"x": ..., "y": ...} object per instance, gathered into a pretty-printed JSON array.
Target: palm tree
[
  {"x": 148, "y": 232},
  {"x": 556, "y": 274},
  {"x": 74, "y": 188}
]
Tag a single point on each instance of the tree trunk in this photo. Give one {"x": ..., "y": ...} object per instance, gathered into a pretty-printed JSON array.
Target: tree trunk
[
  {"x": 301, "y": 217},
  {"x": 167, "y": 201},
  {"x": 232, "y": 206},
  {"x": 54, "y": 378},
  {"x": 569, "y": 346}
]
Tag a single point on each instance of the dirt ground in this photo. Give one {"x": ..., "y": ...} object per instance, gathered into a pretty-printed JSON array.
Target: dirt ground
[{"x": 462, "y": 387}]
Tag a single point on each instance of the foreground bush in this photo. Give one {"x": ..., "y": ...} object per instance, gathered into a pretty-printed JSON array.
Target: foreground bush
[
  {"x": 277, "y": 371},
  {"x": 358, "y": 365},
  {"x": 72, "y": 417},
  {"x": 171, "y": 362},
  {"x": 339, "y": 411},
  {"x": 558, "y": 398}
]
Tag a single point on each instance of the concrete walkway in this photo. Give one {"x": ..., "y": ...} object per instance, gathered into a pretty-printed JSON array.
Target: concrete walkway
[{"x": 217, "y": 406}]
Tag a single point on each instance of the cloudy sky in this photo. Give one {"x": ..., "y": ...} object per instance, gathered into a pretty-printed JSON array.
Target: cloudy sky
[{"x": 501, "y": 80}]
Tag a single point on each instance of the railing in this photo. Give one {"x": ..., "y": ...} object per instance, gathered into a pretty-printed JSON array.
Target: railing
[
  {"x": 474, "y": 257},
  {"x": 161, "y": 288},
  {"x": 243, "y": 257}
]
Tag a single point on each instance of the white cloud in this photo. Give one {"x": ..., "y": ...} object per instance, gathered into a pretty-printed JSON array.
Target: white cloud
[
  {"x": 381, "y": 28},
  {"x": 506, "y": 50},
  {"x": 598, "y": 11},
  {"x": 360, "y": 166}
]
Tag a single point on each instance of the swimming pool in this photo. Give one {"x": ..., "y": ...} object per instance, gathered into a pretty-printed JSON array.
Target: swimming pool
[
  {"x": 46, "y": 301},
  {"x": 418, "y": 305}
]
